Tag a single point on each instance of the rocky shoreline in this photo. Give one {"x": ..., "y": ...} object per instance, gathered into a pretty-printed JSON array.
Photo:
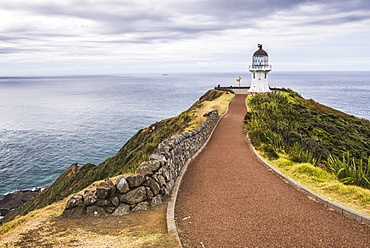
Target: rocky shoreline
[{"x": 13, "y": 200}]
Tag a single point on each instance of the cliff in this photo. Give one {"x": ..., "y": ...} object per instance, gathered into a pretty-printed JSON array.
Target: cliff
[{"x": 136, "y": 150}]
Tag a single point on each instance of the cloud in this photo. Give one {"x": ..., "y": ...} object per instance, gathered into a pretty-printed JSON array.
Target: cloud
[{"x": 111, "y": 31}]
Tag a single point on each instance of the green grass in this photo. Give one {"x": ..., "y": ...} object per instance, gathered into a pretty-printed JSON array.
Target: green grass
[
  {"x": 324, "y": 183},
  {"x": 320, "y": 147},
  {"x": 310, "y": 132}
]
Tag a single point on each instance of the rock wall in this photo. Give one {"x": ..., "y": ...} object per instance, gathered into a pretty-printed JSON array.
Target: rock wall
[{"x": 152, "y": 181}]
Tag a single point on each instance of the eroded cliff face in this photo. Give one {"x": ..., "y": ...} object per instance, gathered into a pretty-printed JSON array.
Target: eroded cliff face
[{"x": 128, "y": 158}]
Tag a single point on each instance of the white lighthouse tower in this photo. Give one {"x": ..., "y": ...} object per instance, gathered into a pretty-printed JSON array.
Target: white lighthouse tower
[{"x": 259, "y": 69}]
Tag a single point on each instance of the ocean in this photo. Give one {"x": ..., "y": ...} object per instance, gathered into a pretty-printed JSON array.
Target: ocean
[{"x": 49, "y": 123}]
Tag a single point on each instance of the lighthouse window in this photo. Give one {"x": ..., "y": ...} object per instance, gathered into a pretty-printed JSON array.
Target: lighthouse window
[
  {"x": 257, "y": 61},
  {"x": 265, "y": 75},
  {"x": 254, "y": 75}
]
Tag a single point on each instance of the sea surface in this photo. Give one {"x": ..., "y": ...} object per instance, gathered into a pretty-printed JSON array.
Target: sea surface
[{"x": 48, "y": 123}]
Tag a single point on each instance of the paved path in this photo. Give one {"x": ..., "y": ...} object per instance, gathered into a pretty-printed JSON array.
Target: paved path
[{"x": 229, "y": 199}]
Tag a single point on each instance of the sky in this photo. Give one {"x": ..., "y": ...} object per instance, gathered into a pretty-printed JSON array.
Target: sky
[{"x": 90, "y": 37}]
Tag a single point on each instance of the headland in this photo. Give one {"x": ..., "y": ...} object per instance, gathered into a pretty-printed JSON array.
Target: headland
[{"x": 142, "y": 140}]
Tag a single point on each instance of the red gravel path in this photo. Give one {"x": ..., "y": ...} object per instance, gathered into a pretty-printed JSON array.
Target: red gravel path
[{"x": 229, "y": 199}]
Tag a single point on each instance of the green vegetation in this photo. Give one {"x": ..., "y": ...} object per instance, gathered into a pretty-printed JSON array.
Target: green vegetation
[
  {"x": 306, "y": 131},
  {"x": 348, "y": 171},
  {"x": 128, "y": 158},
  {"x": 324, "y": 183}
]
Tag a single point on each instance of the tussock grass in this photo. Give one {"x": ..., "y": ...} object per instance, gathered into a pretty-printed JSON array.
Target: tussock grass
[
  {"x": 320, "y": 147},
  {"x": 324, "y": 183}
]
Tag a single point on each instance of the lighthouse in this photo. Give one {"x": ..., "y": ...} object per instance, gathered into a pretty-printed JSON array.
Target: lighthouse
[{"x": 260, "y": 69}]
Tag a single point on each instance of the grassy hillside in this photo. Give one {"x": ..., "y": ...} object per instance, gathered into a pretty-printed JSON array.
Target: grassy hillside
[
  {"x": 136, "y": 150},
  {"x": 288, "y": 129}
]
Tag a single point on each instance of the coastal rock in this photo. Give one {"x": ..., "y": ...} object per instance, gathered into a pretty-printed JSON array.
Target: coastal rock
[
  {"x": 135, "y": 180},
  {"x": 169, "y": 143},
  {"x": 105, "y": 189},
  {"x": 74, "y": 201},
  {"x": 149, "y": 193},
  {"x": 102, "y": 192},
  {"x": 89, "y": 197},
  {"x": 161, "y": 180},
  {"x": 153, "y": 185},
  {"x": 122, "y": 185},
  {"x": 163, "y": 150},
  {"x": 104, "y": 203},
  {"x": 148, "y": 167},
  {"x": 165, "y": 173},
  {"x": 156, "y": 200},
  {"x": 142, "y": 206},
  {"x": 109, "y": 210},
  {"x": 13, "y": 200},
  {"x": 95, "y": 211},
  {"x": 157, "y": 157},
  {"x": 164, "y": 191},
  {"x": 4, "y": 211},
  {"x": 122, "y": 209},
  {"x": 114, "y": 200},
  {"x": 134, "y": 196},
  {"x": 75, "y": 212}
]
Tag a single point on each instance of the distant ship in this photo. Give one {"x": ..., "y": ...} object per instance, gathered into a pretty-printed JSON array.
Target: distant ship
[{"x": 165, "y": 74}]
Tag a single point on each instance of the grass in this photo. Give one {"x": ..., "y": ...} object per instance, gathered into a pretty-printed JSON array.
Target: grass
[
  {"x": 13, "y": 230},
  {"x": 322, "y": 148},
  {"x": 221, "y": 104},
  {"x": 310, "y": 132},
  {"x": 324, "y": 183}
]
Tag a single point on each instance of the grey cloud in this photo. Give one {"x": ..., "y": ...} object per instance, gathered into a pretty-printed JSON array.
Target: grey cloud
[
  {"x": 338, "y": 20},
  {"x": 14, "y": 50},
  {"x": 163, "y": 23},
  {"x": 243, "y": 13}
]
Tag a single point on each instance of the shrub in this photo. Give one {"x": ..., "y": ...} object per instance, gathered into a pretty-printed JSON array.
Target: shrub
[
  {"x": 348, "y": 171},
  {"x": 310, "y": 132},
  {"x": 270, "y": 152}
]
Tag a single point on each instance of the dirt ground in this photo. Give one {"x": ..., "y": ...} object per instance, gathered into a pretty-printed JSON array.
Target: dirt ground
[{"x": 144, "y": 229}]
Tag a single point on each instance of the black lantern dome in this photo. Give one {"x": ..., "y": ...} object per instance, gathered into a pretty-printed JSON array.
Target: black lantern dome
[{"x": 260, "y": 52}]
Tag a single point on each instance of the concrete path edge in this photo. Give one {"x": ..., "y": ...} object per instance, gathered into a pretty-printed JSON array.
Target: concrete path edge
[
  {"x": 170, "y": 216},
  {"x": 320, "y": 199}
]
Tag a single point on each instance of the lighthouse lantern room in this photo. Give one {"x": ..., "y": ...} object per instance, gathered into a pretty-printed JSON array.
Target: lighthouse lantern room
[{"x": 260, "y": 69}]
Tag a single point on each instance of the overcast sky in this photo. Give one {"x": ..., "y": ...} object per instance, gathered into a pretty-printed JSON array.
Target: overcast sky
[{"x": 64, "y": 37}]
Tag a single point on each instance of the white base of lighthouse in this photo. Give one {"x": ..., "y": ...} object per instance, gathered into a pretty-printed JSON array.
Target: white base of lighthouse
[{"x": 259, "y": 82}]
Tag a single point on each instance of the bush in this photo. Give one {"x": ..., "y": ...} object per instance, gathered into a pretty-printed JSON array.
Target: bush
[
  {"x": 270, "y": 152},
  {"x": 310, "y": 132},
  {"x": 348, "y": 171}
]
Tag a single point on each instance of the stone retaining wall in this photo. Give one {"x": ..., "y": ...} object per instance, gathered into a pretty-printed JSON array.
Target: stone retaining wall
[{"x": 152, "y": 182}]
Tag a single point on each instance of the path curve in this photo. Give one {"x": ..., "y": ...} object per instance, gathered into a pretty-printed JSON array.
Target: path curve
[{"x": 229, "y": 199}]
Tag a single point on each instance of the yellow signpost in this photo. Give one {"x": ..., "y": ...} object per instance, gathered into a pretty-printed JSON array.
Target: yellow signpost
[{"x": 238, "y": 80}]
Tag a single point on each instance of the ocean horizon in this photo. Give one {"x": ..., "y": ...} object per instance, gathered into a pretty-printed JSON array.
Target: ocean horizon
[{"x": 49, "y": 123}]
